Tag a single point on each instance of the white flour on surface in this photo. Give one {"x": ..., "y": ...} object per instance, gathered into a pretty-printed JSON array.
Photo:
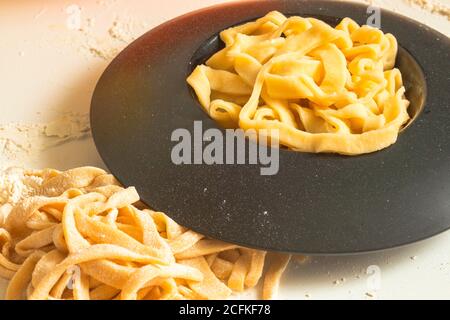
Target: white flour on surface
[
  {"x": 97, "y": 39},
  {"x": 21, "y": 140},
  {"x": 433, "y": 6},
  {"x": 69, "y": 126},
  {"x": 106, "y": 44},
  {"x": 15, "y": 185}
]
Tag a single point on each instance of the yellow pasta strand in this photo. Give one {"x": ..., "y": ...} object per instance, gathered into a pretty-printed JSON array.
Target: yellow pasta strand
[
  {"x": 272, "y": 280},
  {"x": 92, "y": 242},
  {"x": 324, "y": 89}
]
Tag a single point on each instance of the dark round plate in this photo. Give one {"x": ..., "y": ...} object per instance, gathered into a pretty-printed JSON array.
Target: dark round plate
[{"x": 317, "y": 203}]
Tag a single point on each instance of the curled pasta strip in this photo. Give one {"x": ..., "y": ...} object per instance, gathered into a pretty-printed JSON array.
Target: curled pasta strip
[
  {"x": 91, "y": 241},
  {"x": 324, "y": 89}
]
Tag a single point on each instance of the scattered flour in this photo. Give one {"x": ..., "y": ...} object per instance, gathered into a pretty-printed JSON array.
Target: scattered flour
[
  {"x": 106, "y": 41},
  {"x": 122, "y": 31},
  {"x": 106, "y": 44},
  {"x": 69, "y": 126},
  {"x": 21, "y": 140},
  {"x": 433, "y": 6},
  {"x": 15, "y": 185}
]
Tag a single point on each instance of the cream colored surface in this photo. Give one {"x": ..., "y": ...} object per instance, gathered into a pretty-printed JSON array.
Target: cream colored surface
[{"x": 47, "y": 70}]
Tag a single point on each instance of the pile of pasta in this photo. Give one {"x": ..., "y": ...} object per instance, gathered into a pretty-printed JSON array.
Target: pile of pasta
[
  {"x": 83, "y": 236},
  {"x": 320, "y": 89}
]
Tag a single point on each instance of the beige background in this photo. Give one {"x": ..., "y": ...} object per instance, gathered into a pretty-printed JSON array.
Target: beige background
[{"x": 47, "y": 68}]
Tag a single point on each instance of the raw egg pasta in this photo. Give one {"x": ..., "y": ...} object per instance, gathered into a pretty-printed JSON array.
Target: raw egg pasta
[
  {"x": 324, "y": 89},
  {"x": 86, "y": 237}
]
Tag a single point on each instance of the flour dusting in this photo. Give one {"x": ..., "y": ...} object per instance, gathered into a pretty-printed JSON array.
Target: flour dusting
[
  {"x": 106, "y": 44},
  {"x": 21, "y": 140},
  {"x": 16, "y": 185},
  {"x": 432, "y": 6}
]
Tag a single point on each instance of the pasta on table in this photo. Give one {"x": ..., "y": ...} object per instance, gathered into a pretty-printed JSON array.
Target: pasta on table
[
  {"x": 83, "y": 236},
  {"x": 323, "y": 89}
]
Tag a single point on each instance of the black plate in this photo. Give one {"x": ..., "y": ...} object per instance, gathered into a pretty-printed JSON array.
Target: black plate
[{"x": 317, "y": 204}]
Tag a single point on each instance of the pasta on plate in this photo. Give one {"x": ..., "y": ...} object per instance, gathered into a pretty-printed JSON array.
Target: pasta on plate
[
  {"x": 83, "y": 236},
  {"x": 324, "y": 89}
]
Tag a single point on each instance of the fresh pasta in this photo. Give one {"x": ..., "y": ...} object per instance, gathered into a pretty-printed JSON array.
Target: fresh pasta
[
  {"x": 323, "y": 89},
  {"x": 83, "y": 236}
]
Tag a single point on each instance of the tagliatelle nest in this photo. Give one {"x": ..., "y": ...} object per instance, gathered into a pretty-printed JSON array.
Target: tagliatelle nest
[
  {"x": 86, "y": 237},
  {"x": 315, "y": 87}
]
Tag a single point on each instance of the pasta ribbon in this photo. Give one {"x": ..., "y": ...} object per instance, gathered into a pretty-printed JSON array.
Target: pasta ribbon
[
  {"x": 83, "y": 236},
  {"x": 325, "y": 89}
]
